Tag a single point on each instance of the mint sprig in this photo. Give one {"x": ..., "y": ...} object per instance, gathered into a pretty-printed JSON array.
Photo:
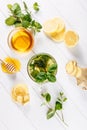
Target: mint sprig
[
  {"x": 21, "y": 18},
  {"x": 58, "y": 106}
]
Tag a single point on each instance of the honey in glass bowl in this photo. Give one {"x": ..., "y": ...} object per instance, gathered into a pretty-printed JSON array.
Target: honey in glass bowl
[{"x": 21, "y": 40}]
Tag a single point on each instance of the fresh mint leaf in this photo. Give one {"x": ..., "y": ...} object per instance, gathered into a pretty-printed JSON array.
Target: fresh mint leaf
[
  {"x": 64, "y": 99},
  {"x": 24, "y": 18},
  {"x": 51, "y": 77},
  {"x": 61, "y": 94},
  {"x": 36, "y": 6},
  {"x": 47, "y": 96},
  {"x": 41, "y": 76},
  {"x": 25, "y": 6},
  {"x": 9, "y": 6},
  {"x": 25, "y": 23},
  {"x": 52, "y": 68},
  {"x": 50, "y": 113},
  {"x": 61, "y": 97},
  {"x": 16, "y": 8},
  {"x": 58, "y": 105},
  {"x": 10, "y": 20},
  {"x": 20, "y": 15},
  {"x": 18, "y": 25},
  {"x": 27, "y": 17}
]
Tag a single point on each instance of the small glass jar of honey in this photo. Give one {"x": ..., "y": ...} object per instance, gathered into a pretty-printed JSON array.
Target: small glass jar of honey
[{"x": 21, "y": 40}]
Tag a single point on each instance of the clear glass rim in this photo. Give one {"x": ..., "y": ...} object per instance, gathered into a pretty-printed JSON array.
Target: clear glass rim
[
  {"x": 11, "y": 34},
  {"x": 36, "y": 56}
]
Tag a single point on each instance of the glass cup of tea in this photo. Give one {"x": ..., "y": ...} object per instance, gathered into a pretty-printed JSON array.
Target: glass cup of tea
[
  {"x": 42, "y": 68},
  {"x": 21, "y": 40}
]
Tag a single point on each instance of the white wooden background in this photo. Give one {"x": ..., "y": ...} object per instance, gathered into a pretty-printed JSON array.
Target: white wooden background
[{"x": 33, "y": 116}]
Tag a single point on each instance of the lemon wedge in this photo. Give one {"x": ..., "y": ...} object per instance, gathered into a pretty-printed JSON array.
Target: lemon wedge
[{"x": 71, "y": 38}]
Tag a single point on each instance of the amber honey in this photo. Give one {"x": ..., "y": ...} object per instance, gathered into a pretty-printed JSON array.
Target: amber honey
[
  {"x": 13, "y": 61},
  {"x": 21, "y": 40}
]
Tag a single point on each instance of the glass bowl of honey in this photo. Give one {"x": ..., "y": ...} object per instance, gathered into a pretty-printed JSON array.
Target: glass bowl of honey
[{"x": 21, "y": 40}]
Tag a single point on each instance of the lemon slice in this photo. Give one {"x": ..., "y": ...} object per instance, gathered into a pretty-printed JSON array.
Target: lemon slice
[
  {"x": 50, "y": 26},
  {"x": 71, "y": 38},
  {"x": 20, "y": 93},
  {"x": 59, "y": 37},
  {"x": 61, "y": 25},
  {"x": 53, "y": 26}
]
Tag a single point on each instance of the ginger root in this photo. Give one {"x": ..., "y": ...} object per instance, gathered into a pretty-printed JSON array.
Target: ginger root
[{"x": 79, "y": 73}]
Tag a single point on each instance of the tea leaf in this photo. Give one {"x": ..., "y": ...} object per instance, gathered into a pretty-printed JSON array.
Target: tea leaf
[
  {"x": 51, "y": 77},
  {"x": 10, "y": 21},
  {"x": 52, "y": 68},
  {"x": 34, "y": 73},
  {"x": 50, "y": 113},
  {"x": 41, "y": 76}
]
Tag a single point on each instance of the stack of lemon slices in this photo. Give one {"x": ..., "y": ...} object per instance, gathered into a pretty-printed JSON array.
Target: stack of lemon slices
[{"x": 56, "y": 30}]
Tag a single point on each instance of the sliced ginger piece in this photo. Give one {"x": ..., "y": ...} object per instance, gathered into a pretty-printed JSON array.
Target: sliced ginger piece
[
  {"x": 71, "y": 67},
  {"x": 79, "y": 73}
]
